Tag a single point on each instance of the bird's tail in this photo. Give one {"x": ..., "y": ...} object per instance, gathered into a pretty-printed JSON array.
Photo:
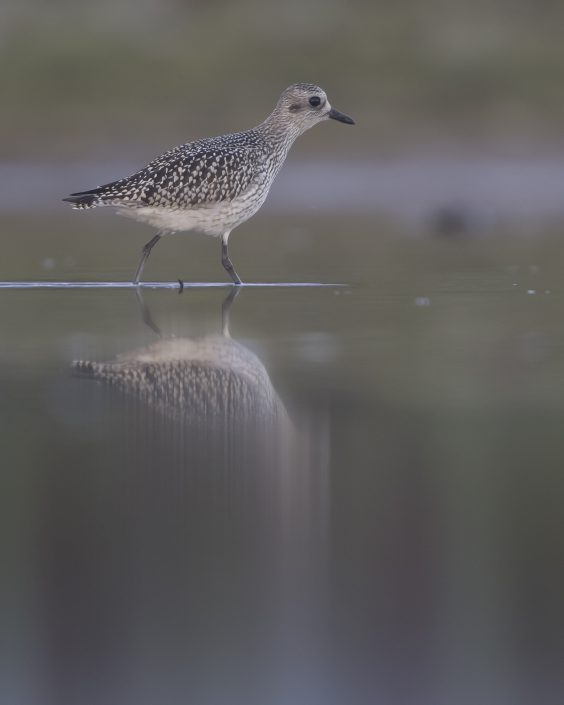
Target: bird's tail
[
  {"x": 94, "y": 197},
  {"x": 87, "y": 200}
]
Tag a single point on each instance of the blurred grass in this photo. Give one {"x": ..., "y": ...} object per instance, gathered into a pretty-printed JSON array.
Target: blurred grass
[{"x": 78, "y": 79}]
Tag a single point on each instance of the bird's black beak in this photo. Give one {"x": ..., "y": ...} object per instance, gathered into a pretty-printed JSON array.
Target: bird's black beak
[{"x": 341, "y": 117}]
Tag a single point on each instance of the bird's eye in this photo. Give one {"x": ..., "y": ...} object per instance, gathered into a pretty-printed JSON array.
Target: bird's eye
[{"x": 314, "y": 101}]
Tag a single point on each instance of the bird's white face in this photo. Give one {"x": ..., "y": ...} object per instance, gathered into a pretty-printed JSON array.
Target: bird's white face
[{"x": 305, "y": 104}]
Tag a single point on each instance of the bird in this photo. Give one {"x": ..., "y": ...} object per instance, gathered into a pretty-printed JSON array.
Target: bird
[{"x": 214, "y": 184}]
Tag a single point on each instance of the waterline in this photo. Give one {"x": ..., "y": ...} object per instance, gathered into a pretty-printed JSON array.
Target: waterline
[{"x": 158, "y": 285}]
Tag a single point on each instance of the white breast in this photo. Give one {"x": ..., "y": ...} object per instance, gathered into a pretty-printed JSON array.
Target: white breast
[{"x": 213, "y": 219}]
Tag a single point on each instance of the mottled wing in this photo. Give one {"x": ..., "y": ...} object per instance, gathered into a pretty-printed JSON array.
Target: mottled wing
[
  {"x": 198, "y": 176},
  {"x": 193, "y": 175}
]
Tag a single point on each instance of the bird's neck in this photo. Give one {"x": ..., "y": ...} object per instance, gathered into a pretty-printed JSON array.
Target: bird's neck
[{"x": 280, "y": 129}]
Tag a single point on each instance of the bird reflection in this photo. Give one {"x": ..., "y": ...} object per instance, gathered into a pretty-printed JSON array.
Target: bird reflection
[
  {"x": 196, "y": 551},
  {"x": 204, "y": 381}
]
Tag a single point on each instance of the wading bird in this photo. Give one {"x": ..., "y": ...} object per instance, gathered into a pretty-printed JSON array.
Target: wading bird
[{"x": 213, "y": 185}]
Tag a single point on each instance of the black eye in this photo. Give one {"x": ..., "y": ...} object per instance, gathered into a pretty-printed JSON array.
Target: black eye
[{"x": 314, "y": 101}]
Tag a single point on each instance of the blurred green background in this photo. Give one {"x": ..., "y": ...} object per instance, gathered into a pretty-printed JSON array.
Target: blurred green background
[{"x": 94, "y": 79}]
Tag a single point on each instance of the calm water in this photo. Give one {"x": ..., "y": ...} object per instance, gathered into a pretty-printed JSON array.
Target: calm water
[{"x": 301, "y": 496}]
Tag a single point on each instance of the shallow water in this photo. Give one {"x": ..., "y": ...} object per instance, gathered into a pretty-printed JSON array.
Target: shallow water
[{"x": 302, "y": 495}]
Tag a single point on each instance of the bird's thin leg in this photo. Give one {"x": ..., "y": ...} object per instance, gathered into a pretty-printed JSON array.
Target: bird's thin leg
[
  {"x": 145, "y": 254},
  {"x": 227, "y": 263}
]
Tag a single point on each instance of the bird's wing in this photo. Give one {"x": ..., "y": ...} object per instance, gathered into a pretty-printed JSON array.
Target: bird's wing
[{"x": 193, "y": 175}]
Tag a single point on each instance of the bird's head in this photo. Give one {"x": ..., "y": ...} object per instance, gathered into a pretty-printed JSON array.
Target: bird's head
[{"x": 303, "y": 105}]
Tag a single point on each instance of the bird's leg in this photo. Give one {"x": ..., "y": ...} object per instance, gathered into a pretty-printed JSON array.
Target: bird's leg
[
  {"x": 227, "y": 263},
  {"x": 145, "y": 254}
]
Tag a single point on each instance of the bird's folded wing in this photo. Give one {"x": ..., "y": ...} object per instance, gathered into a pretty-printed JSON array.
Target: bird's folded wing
[{"x": 192, "y": 175}]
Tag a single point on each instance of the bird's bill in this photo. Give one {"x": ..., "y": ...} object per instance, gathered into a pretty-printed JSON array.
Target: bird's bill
[{"x": 341, "y": 117}]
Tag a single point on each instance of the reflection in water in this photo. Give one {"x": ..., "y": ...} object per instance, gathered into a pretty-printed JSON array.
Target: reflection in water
[
  {"x": 206, "y": 381},
  {"x": 152, "y": 555},
  {"x": 192, "y": 567}
]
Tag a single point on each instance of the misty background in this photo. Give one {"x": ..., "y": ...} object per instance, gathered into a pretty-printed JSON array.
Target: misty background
[
  {"x": 459, "y": 105},
  {"x": 84, "y": 79},
  {"x": 383, "y": 523}
]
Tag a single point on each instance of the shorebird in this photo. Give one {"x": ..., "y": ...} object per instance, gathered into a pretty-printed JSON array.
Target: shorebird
[{"x": 212, "y": 185}]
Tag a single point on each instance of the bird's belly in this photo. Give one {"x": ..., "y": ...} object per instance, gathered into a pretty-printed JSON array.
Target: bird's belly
[{"x": 212, "y": 219}]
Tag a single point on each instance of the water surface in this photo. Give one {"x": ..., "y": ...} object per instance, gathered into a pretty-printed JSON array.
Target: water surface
[{"x": 303, "y": 495}]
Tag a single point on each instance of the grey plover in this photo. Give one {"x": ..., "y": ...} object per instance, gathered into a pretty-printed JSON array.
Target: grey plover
[{"x": 213, "y": 185}]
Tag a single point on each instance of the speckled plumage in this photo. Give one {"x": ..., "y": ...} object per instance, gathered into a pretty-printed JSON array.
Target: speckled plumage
[
  {"x": 192, "y": 175},
  {"x": 214, "y": 184}
]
